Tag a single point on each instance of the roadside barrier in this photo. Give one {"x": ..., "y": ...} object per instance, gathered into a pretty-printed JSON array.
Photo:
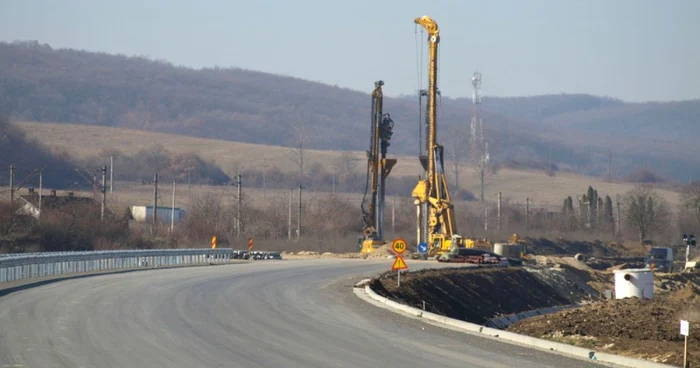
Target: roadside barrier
[{"x": 18, "y": 266}]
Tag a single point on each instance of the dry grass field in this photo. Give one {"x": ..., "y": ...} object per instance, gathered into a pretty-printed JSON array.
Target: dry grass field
[{"x": 82, "y": 141}]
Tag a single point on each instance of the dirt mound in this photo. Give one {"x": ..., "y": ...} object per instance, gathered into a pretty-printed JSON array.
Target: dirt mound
[
  {"x": 382, "y": 252},
  {"x": 671, "y": 282},
  {"x": 560, "y": 246},
  {"x": 474, "y": 295},
  {"x": 569, "y": 261},
  {"x": 689, "y": 295},
  {"x": 646, "y": 329}
]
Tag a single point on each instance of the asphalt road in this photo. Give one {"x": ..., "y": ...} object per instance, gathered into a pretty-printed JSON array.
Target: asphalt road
[{"x": 296, "y": 313}]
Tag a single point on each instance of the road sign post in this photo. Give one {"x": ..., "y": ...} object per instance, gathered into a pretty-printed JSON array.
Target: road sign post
[
  {"x": 685, "y": 331},
  {"x": 399, "y": 246}
]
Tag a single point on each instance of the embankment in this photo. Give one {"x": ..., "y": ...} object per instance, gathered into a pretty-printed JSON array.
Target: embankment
[{"x": 474, "y": 295}]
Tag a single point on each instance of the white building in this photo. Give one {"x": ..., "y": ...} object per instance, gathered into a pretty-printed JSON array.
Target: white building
[{"x": 145, "y": 214}]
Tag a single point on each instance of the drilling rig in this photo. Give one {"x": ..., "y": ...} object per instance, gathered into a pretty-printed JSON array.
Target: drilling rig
[
  {"x": 441, "y": 233},
  {"x": 378, "y": 168}
]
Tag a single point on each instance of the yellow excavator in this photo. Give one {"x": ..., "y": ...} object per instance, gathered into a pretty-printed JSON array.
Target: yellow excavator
[
  {"x": 441, "y": 233},
  {"x": 378, "y": 168}
]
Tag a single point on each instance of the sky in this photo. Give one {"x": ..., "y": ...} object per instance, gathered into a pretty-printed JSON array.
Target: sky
[{"x": 635, "y": 50}]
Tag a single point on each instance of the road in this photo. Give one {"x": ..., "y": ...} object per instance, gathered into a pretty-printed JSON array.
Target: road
[{"x": 290, "y": 313}]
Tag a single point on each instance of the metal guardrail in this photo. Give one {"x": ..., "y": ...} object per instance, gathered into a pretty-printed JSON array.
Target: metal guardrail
[{"x": 19, "y": 266}]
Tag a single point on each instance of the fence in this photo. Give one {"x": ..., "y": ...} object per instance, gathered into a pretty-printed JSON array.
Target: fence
[{"x": 28, "y": 265}]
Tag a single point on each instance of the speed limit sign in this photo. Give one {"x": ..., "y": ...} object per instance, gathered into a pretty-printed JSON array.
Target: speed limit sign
[{"x": 399, "y": 246}]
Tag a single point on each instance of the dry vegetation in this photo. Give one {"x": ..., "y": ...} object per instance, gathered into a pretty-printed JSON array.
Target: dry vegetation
[
  {"x": 515, "y": 185},
  {"x": 329, "y": 222},
  {"x": 198, "y": 102}
]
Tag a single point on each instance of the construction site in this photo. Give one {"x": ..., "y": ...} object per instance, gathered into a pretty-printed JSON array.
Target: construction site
[
  {"x": 588, "y": 294},
  {"x": 477, "y": 254}
]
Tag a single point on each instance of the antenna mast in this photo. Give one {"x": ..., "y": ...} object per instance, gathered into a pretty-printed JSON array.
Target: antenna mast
[{"x": 476, "y": 127}]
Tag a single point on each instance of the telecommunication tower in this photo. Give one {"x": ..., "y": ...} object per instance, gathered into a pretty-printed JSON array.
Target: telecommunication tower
[{"x": 479, "y": 149}]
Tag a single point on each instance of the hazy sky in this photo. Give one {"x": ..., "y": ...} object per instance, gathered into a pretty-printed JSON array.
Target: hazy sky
[{"x": 631, "y": 49}]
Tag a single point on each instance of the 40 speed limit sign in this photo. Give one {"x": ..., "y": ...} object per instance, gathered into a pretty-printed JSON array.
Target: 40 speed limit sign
[{"x": 399, "y": 246}]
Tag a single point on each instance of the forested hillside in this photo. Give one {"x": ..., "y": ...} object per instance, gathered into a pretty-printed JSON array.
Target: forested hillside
[
  {"x": 42, "y": 84},
  {"x": 27, "y": 156}
]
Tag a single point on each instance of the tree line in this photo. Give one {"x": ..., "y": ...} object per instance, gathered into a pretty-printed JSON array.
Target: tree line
[
  {"x": 644, "y": 215},
  {"x": 241, "y": 105}
]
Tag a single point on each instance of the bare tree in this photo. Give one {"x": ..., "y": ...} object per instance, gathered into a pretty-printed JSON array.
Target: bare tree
[
  {"x": 297, "y": 153},
  {"x": 690, "y": 198},
  {"x": 345, "y": 166},
  {"x": 647, "y": 212},
  {"x": 155, "y": 157},
  {"x": 456, "y": 145},
  {"x": 207, "y": 216}
]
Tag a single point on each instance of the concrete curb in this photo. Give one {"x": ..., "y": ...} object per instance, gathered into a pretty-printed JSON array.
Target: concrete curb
[{"x": 512, "y": 338}]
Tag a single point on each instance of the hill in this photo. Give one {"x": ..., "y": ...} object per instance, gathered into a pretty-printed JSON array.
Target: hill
[
  {"x": 85, "y": 142},
  {"x": 28, "y": 155},
  {"x": 48, "y": 85}
]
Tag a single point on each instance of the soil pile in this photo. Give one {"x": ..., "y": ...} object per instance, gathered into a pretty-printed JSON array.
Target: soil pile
[
  {"x": 645, "y": 329},
  {"x": 474, "y": 295},
  {"x": 670, "y": 282},
  {"x": 560, "y": 246},
  {"x": 384, "y": 251}
]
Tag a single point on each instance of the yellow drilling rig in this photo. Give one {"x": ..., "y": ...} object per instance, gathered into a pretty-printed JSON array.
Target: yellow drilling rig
[
  {"x": 431, "y": 194},
  {"x": 378, "y": 168}
]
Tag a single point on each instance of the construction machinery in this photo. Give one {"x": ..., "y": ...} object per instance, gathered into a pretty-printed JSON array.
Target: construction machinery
[
  {"x": 523, "y": 245},
  {"x": 441, "y": 232},
  {"x": 378, "y": 168}
]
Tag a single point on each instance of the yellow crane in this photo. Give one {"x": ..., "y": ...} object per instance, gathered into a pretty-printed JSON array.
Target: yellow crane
[
  {"x": 378, "y": 168},
  {"x": 442, "y": 230}
]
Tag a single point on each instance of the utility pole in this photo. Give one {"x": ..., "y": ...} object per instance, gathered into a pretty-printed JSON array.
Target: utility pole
[
  {"x": 104, "y": 193},
  {"x": 393, "y": 215},
  {"x": 498, "y": 209},
  {"x": 580, "y": 208},
  {"x": 527, "y": 213},
  {"x": 12, "y": 196},
  {"x": 619, "y": 229},
  {"x": 486, "y": 215},
  {"x": 264, "y": 174},
  {"x": 189, "y": 185},
  {"x": 238, "y": 216},
  {"x": 289, "y": 223},
  {"x": 172, "y": 212},
  {"x": 41, "y": 185},
  {"x": 588, "y": 211},
  {"x": 154, "y": 226},
  {"x": 550, "y": 159},
  {"x": 12, "y": 183},
  {"x": 111, "y": 175},
  {"x": 334, "y": 174},
  {"x": 299, "y": 216},
  {"x": 609, "y": 166},
  {"x": 419, "y": 222}
]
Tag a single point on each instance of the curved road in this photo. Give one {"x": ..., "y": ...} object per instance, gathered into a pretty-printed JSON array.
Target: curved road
[{"x": 297, "y": 313}]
